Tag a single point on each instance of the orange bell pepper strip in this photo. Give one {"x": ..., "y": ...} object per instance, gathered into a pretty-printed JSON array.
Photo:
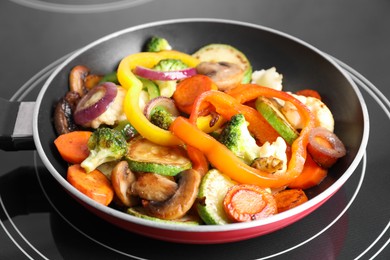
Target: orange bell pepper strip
[
  {"x": 309, "y": 93},
  {"x": 246, "y": 92},
  {"x": 134, "y": 87},
  {"x": 199, "y": 161},
  {"x": 227, "y": 106},
  {"x": 223, "y": 159},
  {"x": 312, "y": 175}
]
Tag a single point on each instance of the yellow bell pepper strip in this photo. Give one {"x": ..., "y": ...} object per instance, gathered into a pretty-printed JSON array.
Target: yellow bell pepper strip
[
  {"x": 224, "y": 160},
  {"x": 204, "y": 123},
  {"x": 134, "y": 87},
  {"x": 227, "y": 106}
]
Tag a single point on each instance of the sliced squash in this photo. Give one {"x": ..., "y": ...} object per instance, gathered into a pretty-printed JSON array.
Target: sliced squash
[
  {"x": 146, "y": 156},
  {"x": 218, "y": 52},
  {"x": 276, "y": 119},
  {"x": 212, "y": 191}
]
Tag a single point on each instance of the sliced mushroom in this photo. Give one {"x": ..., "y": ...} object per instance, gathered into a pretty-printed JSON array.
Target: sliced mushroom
[
  {"x": 154, "y": 187},
  {"x": 226, "y": 75},
  {"x": 63, "y": 119},
  {"x": 122, "y": 179},
  {"x": 92, "y": 80},
  {"x": 77, "y": 79},
  {"x": 183, "y": 199}
]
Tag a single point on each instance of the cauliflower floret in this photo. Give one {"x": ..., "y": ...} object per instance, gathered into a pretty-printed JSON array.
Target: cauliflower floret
[
  {"x": 323, "y": 116},
  {"x": 114, "y": 112},
  {"x": 272, "y": 157},
  {"x": 268, "y": 78}
]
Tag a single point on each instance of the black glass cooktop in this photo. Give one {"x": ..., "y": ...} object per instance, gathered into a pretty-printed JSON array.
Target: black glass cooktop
[{"x": 38, "y": 220}]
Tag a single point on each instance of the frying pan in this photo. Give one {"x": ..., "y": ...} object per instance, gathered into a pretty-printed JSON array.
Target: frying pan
[{"x": 302, "y": 66}]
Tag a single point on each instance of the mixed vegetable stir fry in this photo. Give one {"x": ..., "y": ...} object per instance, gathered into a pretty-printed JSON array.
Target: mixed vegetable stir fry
[{"x": 193, "y": 139}]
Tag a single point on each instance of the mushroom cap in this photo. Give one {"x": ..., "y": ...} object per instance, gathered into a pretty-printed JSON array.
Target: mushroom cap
[{"x": 183, "y": 199}]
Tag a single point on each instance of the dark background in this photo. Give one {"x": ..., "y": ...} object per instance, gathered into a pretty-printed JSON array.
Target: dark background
[{"x": 356, "y": 32}]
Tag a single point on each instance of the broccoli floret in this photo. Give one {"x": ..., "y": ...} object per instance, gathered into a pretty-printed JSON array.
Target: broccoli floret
[
  {"x": 105, "y": 145},
  {"x": 168, "y": 87},
  {"x": 161, "y": 117},
  {"x": 156, "y": 44},
  {"x": 237, "y": 138},
  {"x": 170, "y": 65}
]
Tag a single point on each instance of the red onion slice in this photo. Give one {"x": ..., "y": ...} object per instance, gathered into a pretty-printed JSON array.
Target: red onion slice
[
  {"x": 165, "y": 102},
  {"x": 95, "y": 103},
  {"x": 164, "y": 75},
  {"x": 325, "y": 147}
]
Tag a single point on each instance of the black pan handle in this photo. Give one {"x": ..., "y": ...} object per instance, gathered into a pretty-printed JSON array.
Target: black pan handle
[{"x": 16, "y": 119}]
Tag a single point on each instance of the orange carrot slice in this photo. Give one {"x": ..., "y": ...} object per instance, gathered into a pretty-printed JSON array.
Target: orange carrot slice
[
  {"x": 247, "y": 202},
  {"x": 189, "y": 89},
  {"x": 288, "y": 199},
  {"x": 94, "y": 184},
  {"x": 73, "y": 146}
]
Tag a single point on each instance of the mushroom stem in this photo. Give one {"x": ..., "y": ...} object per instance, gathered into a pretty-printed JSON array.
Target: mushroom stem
[
  {"x": 77, "y": 79},
  {"x": 122, "y": 179}
]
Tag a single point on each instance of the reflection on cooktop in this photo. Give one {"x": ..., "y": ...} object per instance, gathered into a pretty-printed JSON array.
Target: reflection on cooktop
[
  {"x": 82, "y": 6},
  {"x": 22, "y": 193}
]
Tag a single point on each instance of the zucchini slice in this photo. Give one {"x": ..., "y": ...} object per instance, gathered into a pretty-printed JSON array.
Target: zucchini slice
[
  {"x": 146, "y": 156},
  {"x": 212, "y": 191},
  {"x": 217, "y": 52},
  {"x": 276, "y": 119},
  {"x": 186, "y": 220},
  {"x": 150, "y": 87}
]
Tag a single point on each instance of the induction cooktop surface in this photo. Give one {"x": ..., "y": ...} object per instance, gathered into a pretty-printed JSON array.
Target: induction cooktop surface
[{"x": 39, "y": 220}]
